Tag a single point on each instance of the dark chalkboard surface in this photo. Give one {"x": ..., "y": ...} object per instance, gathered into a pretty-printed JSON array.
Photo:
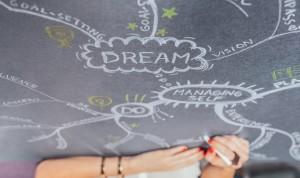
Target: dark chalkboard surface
[{"x": 121, "y": 77}]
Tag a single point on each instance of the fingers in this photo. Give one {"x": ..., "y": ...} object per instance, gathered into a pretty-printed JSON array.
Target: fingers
[
  {"x": 187, "y": 153},
  {"x": 168, "y": 159},
  {"x": 176, "y": 150},
  {"x": 213, "y": 158},
  {"x": 188, "y": 158},
  {"x": 232, "y": 144},
  {"x": 220, "y": 146},
  {"x": 239, "y": 147},
  {"x": 243, "y": 144},
  {"x": 229, "y": 145}
]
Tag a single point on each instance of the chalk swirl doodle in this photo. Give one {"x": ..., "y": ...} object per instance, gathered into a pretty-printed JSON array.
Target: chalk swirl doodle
[{"x": 101, "y": 101}]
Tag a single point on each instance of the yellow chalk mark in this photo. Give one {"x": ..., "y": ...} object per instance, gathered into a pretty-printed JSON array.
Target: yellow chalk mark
[
  {"x": 289, "y": 72},
  {"x": 127, "y": 98},
  {"x": 143, "y": 97},
  {"x": 101, "y": 101},
  {"x": 61, "y": 34},
  {"x": 134, "y": 125},
  {"x": 274, "y": 75},
  {"x": 136, "y": 98}
]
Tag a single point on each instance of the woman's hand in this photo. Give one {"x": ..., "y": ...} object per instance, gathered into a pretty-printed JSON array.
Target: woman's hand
[
  {"x": 228, "y": 145},
  {"x": 169, "y": 159}
]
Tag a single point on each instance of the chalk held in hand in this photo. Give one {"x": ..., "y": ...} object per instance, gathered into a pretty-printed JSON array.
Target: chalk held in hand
[{"x": 224, "y": 158}]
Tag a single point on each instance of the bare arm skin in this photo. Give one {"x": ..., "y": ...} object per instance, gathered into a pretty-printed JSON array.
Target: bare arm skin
[
  {"x": 162, "y": 160},
  {"x": 89, "y": 167}
]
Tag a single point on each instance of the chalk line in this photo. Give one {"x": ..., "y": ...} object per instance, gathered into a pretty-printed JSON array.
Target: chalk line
[
  {"x": 34, "y": 89},
  {"x": 155, "y": 17},
  {"x": 262, "y": 134},
  {"x": 45, "y": 17},
  {"x": 258, "y": 43},
  {"x": 239, "y": 7},
  {"x": 219, "y": 111},
  {"x": 16, "y": 105},
  {"x": 279, "y": 18},
  {"x": 278, "y": 90}
]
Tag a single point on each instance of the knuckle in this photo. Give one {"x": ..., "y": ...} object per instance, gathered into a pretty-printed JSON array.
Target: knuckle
[
  {"x": 234, "y": 147},
  {"x": 171, "y": 167},
  {"x": 247, "y": 157},
  {"x": 232, "y": 138},
  {"x": 176, "y": 167},
  {"x": 166, "y": 161},
  {"x": 195, "y": 158},
  {"x": 158, "y": 153},
  {"x": 191, "y": 161},
  {"x": 247, "y": 151},
  {"x": 209, "y": 159},
  {"x": 217, "y": 138},
  {"x": 231, "y": 155}
]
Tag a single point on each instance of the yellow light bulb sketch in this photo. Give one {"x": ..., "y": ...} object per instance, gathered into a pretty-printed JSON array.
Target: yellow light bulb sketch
[
  {"x": 136, "y": 98},
  {"x": 101, "y": 101},
  {"x": 61, "y": 34}
]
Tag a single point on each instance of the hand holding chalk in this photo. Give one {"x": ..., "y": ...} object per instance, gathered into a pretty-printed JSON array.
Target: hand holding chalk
[
  {"x": 227, "y": 151},
  {"x": 223, "y": 157}
]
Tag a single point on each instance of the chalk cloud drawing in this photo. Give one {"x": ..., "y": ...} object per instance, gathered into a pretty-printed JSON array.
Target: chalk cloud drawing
[
  {"x": 295, "y": 152},
  {"x": 116, "y": 55}
]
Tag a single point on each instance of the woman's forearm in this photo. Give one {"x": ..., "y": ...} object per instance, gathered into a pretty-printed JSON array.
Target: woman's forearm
[
  {"x": 83, "y": 167},
  {"x": 90, "y": 167},
  {"x": 211, "y": 171}
]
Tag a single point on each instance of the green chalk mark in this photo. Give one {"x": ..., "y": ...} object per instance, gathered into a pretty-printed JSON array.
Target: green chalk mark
[
  {"x": 132, "y": 26},
  {"x": 169, "y": 13},
  {"x": 162, "y": 32}
]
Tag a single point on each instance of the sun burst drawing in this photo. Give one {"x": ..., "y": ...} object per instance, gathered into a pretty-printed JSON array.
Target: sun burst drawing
[
  {"x": 158, "y": 114},
  {"x": 208, "y": 94}
]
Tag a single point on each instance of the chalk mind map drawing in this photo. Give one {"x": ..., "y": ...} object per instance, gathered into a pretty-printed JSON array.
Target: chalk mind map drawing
[
  {"x": 32, "y": 9},
  {"x": 101, "y": 54}
]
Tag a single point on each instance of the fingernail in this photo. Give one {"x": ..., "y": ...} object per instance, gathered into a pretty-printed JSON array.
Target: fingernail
[
  {"x": 184, "y": 148},
  {"x": 210, "y": 141},
  {"x": 211, "y": 150}
]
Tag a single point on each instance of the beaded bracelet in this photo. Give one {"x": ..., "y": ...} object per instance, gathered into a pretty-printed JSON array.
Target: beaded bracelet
[
  {"x": 102, "y": 173},
  {"x": 120, "y": 168}
]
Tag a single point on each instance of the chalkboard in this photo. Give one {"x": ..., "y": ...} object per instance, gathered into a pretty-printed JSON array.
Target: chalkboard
[{"x": 122, "y": 77}]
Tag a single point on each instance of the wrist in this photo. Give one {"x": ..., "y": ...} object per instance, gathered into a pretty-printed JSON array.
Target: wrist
[{"x": 130, "y": 165}]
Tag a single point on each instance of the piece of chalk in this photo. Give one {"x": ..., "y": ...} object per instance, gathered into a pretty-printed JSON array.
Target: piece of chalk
[{"x": 224, "y": 158}]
